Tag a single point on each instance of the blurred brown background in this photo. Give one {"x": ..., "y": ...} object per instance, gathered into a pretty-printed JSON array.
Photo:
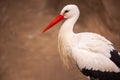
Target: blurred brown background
[{"x": 26, "y": 54}]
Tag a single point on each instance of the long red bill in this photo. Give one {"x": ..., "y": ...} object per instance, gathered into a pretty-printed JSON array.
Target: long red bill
[{"x": 55, "y": 21}]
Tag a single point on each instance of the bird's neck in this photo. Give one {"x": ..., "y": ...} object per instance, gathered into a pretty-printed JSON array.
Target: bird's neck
[
  {"x": 67, "y": 27},
  {"x": 64, "y": 40}
]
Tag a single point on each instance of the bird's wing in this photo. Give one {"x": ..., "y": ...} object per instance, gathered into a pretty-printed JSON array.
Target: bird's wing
[
  {"x": 96, "y": 66},
  {"x": 86, "y": 59},
  {"x": 115, "y": 57},
  {"x": 97, "y": 44}
]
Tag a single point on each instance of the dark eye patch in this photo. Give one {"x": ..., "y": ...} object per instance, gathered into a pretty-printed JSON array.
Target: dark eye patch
[{"x": 66, "y": 11}]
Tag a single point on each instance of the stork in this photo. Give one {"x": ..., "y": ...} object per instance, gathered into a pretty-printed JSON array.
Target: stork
[{"x": 92, "y": 53}]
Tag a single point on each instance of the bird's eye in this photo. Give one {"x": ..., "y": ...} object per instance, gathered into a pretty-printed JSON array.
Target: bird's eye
[{"x": 66, "y": 11}]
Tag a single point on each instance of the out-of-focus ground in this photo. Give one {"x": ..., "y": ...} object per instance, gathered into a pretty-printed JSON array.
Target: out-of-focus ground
[{"x": 26, "y": 54}]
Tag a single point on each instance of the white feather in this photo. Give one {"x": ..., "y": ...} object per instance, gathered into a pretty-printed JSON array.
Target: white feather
[
  {"x": 92, "y": 51},
  {"x": 94, "y": 43},
  {"x": 90, "y": 60}
]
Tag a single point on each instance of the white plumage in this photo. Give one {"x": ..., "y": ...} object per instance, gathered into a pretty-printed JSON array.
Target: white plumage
[
  {"x": 91, "y": 50},
  {"x": 92, "y": 53}
]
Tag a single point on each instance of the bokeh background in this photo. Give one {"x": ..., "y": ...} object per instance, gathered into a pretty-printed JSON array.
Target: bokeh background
[{"x": 27, "y": 54}]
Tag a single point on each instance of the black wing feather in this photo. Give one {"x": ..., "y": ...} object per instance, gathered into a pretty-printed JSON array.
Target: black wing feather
[
  {"x": 115, "y": 57},
  {"x": 99, "y": 75}
]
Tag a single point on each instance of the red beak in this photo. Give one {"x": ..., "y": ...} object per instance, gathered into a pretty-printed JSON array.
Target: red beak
[{"x": 55, "y": 21}]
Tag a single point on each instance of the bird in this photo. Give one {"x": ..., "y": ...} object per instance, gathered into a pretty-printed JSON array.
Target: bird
[{"x": 92, "y": 54}]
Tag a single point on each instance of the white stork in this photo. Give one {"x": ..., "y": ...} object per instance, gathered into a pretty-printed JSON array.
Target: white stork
[{"x": 93, "y": 54}]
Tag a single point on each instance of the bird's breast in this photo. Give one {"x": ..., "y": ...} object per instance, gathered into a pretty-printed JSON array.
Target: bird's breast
[{"x": 65, "y": 51}]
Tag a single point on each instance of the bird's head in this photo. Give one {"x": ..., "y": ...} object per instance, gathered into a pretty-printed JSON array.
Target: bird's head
[
  {"x": 67, "y": 12},
  {"x": 70, "y": 11}
]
